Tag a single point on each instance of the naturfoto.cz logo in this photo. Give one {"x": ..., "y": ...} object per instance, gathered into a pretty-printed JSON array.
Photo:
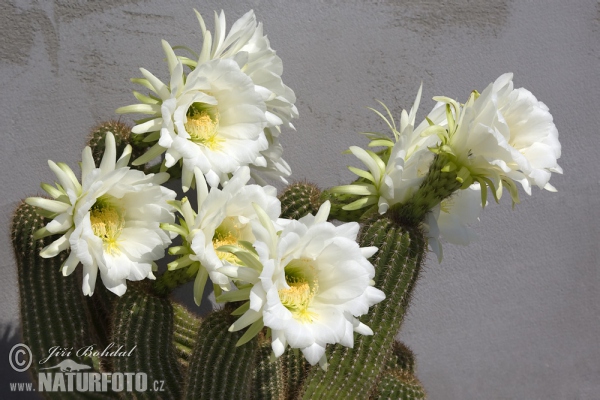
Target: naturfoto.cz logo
[{"x": 71, "y": 376}]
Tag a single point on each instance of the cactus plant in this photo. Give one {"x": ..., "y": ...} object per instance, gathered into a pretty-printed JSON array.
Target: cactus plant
[
  {"x": 218, "y": 369},
  {"x": 352, "y": 373}
]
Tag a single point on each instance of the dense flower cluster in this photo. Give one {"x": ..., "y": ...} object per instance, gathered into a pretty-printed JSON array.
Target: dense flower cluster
[
  {"x": 226, "y": 113},
  {"x": 501, "y": 136},
  {"x": 218, "y": 121}
]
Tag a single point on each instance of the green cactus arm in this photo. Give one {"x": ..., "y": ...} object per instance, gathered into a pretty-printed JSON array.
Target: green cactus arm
[
  {"x": 143, "y": 325},
  {"x": 402, "y": 358},
  {"x": 268, "y": 377},
  {"x": 399, "y": 384},
  {"x": 300, "y": 199},
  {"x": 185, "y": 333},
  {"x": 53, "y": 308},
  {"x": 218, "y": 369},
  {"x": 123, "y": 137},
  {"x": 352, "y": 373},
  {"x": 295, "y": 368}
]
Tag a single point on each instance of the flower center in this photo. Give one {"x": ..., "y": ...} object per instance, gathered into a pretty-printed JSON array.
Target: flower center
[
  {"x": 108, "y": 221},
  {"x": 228, "y": 233},
  {"x": 301, "y": 277},
  {"x": 203, "y": 125}
]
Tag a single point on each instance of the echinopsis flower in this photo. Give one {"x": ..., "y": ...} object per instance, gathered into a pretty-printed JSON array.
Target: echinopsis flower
[
  {"x": 223, "y": 219},
  {"x": 503, "y": 135},
  {"x": 395, "y": 173},
  {"x": 247, "y": 44},
  {"x": 529, "y": 134},
  {"x": 213, "y": 118},
  {"x": 110, "y": 221},
  {"x": 310, "y": 281},
  {"x": 450, "y": 219}
]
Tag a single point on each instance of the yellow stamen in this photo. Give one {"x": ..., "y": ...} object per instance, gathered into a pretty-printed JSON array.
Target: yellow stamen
[
  {"x": 203, "y": 127},
  {"x": 303, "y": 286},
  {"x": 219, "y": 241},
  {"x": 107, "y": 223}
]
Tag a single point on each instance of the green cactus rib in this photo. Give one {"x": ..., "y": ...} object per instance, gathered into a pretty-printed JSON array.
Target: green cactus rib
[
  {"x": 123, "y": 137},
  {"x": 398, "y": 384},
  {"x": 295, "y": 372},
  {"x": 300, "y": 199},
  {"x": 100, "y": 307},
  {"x": 403, "y": 358},
  {"x": 352, "y": 373},
  {"x": 53, "y": 309},
  {"x": 185, "y": 333},
  {"x": 143, "y": 325},
  {"x": 218, "y": 369},
  {"x": 268, "y": 378},
  {"x": 437, "y": 186}
]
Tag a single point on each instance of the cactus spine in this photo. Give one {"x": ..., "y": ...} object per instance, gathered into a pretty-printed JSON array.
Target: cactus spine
[{"x": 353, "y": 372}]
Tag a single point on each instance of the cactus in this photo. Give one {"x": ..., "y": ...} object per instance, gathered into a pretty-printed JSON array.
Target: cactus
[
  {"x": 397, "y": 384},
  {"x": 185, "y": 332},
  {"x": 123, "y": 137},
  {"x": 403, "y": 358},
  {"x": 296, "y": 370},
  {"x": 352, "y": 373},
  {"x": 53, "y": 310},
  {"x": 398, "y": 380},
  {"x": 143, "y": 324},
  {"x": 218, "y": 369},
  {"x": 269, "y": 376},
  {"x": 200, "y": 359},
  {"x": 299, "y": 199}
]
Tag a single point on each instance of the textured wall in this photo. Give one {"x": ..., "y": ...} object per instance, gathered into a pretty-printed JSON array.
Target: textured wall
[{"x": 515, "y": 315}]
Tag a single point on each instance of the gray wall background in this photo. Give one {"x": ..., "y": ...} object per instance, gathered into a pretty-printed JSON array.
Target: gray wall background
[{"x": 515, "y": 315}]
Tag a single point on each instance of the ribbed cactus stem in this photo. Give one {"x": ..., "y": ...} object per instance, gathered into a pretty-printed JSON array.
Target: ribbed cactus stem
[
  {"x": 218, "y": 369},
  {"x": 398, "y": 384},
  {"x": 100, "y": 307},
  {"x": 403, "y": 358},
  {"x": 143, "y": 325},
  {"x": 437, "y": 186},
  {"x": 123, "y": 137},
  {"x": 53, "y": 310},
  {"x": 185, "y": 333},
  {"x": 353, "y": 373},
  {"x": 300, "y": 199},
  {"x": 268, "y": 380},
  {"x": 296, "y": 370}
]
